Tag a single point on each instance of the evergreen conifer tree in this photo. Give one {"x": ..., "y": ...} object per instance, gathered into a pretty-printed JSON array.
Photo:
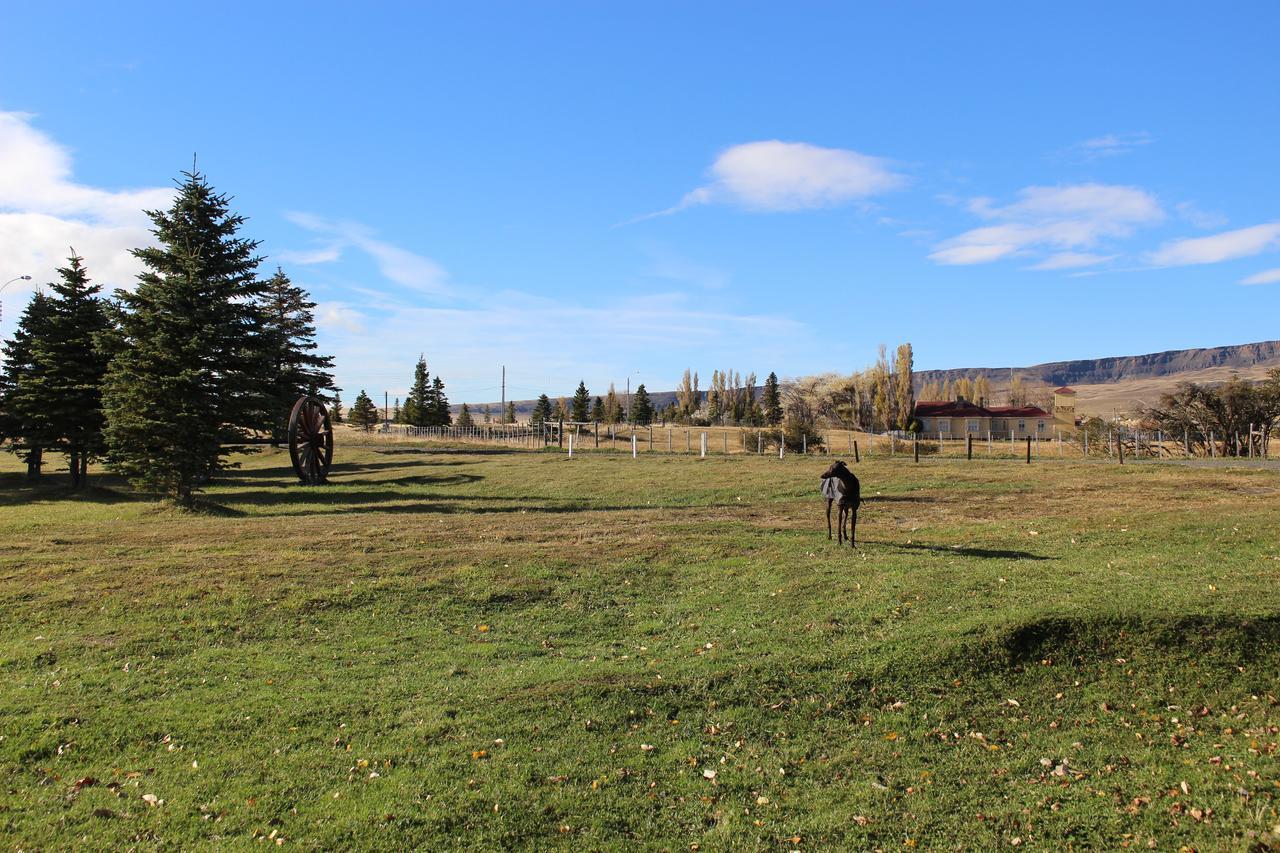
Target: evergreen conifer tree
[
  {"x": 641, "y": 407},
  {"x": 289, "y": 349},
  {"x": 771, "y": 401},
  {"x": 581, "y": 404},
  {"x": 509, "y": 416},
  {"x": 22, "y": 417},
  {"x": 72, "y": 363},
  {"x": 335, "y": 410},
  {"x": 541, "y": 411},
  {"x": 364, "y": 414},
  {"x": 464, "y": 417},
  {"x": 439, "y": 403},
  {"x": 417, "y": 406},
  {"x": 189, "y": 377},
  {"x": 488, "y": 415},
  {"x": 597, "y": 411}
]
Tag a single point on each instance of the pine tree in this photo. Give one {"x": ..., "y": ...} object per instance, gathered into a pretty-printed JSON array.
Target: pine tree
[
  {"x": 464, "y": 417},
  {"x": 541, "y": 411},
  {"x": 335, "y": 411},
  {"x": 488, "y": 415},
  {"x": 509, "y": 416},
  {"x": 72, "y": 365},
  {"x": 581, "y": 404},
  {"x": 189, "y": 379},
  {"x": 289, "y": 350},
  {"x": 23, "y": 420},
  {"x": 597, "y": 411},
  {"x": 439, "y": 403},
  {"x": 363, "y": 414},
  {"x": 771, "y": 401},
  {"x": 396, "y": 415},
  {"x": 417, "y": 406},
  {"x": 641, "y": 407}
]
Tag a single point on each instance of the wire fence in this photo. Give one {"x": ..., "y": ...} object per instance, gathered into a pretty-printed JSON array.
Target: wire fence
[{"x": 1119, "y": 444}]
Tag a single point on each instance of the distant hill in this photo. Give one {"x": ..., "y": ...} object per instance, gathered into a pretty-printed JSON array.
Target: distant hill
[{"x": 1104, "y": 386}]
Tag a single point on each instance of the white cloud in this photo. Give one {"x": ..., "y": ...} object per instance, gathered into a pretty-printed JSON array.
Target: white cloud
[
  {"x": 399, "y": 265},
  {"x": 1071, "y": 260},
  {"x": 778, "y": 176},
  {"x": 1062, "y": 219},
  {"x": 44, "y": 212},
  {"x": 1264, "y": 277},
  {"x": 1227, "y": 246},
  {"x": 1205, "y": 219},
  {"x": 1111, "y": 144}
]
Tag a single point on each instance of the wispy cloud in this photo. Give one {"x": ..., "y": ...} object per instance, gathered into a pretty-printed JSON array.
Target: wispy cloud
[
  {"x": 44, "y": 211},
  {"x": 397, "y": 264},
  {"x": 1264, "y": 277},
  {"x": 1071, "y": 260},
  {"x": 1206, "y": 219},
  {"x": 1227, "y": 246},
  {"x": 1110, "y": 145},
  {"x": 776, "y": 176},
  {"x": 1062, "y": 219}
]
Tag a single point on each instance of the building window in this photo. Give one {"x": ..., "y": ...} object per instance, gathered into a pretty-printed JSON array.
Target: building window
[
  {"x": 1039, "y": 426},
  {"x": 1022, "y": 426},
  {"x": 971, "y": 425},
  {"x": 924, "y": 424}
]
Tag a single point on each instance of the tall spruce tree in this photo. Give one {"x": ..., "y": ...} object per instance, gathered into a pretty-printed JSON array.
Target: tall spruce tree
[
  {"x": 188, "y": 380},
  {"x": 464, "y": 417},
  {"x": 580, "y": 411},
  {"x": 335, "y": 410},
  {"x": 439, "y": 403},
  {"x": 541, "y": 411},
  {"x": 509, "y": 416},
  {"x": 771, "y": 401},
  {"x": 641, "y": 407},
  {"x": 289, "y": 350},
  {"x": 72, "y": 363},
  {"x": 417, "y": 406},
  {"x": 23, "y": 418},
  {"x": 363, "y": 413}
]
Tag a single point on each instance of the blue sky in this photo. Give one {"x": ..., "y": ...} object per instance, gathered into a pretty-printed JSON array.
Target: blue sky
[{"x": 597, "y": 190}]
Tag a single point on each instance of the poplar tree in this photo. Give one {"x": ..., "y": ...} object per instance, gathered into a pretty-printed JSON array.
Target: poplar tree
[
  {"x": 289, "y": 349},
  {"x": 904, "y": 393},
  {"x": 188, "y": 380},
  {"x": 22, "y": 419}
]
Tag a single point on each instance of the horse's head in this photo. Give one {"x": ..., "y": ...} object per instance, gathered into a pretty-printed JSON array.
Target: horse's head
[{"x": 837, "y": 469}]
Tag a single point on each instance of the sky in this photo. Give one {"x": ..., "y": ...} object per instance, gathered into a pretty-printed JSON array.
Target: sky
[{"x": 604, "y": 191}]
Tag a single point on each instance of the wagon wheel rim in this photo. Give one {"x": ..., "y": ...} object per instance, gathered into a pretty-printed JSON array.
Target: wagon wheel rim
[{"x": 310, "y": 440}]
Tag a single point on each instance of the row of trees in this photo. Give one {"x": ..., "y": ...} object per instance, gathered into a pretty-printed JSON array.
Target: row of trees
[
  {"x": 1233, "y": 416},
  {"x": 879, "y": 398},
  {"x": 163, "y": 380}
]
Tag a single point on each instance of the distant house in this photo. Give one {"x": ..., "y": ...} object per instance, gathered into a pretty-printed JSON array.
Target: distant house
[{"x": 960, "y": 417}]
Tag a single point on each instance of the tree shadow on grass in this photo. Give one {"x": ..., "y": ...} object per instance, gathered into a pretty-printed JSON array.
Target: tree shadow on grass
[
  {"x": 982, "y": 553},
  {"x": 16, "y": 489}
]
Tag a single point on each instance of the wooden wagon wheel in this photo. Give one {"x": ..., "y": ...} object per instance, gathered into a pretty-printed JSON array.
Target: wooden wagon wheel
[{"x": 310, "y": 441}]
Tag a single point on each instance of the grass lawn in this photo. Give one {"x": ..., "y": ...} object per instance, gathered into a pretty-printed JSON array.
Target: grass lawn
[{"x": 460, "y": 648}]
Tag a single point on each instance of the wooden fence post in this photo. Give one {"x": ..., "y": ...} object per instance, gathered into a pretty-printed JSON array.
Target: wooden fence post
[
  {"x": 855, "y": 452},
  {"x": 703, "y": 445},
  {"x": 570, "y": 445},
  {"x": 968, "y": 447},
  {"x": 1120, "y": 446},
  {"x": 633, "y": 445},
  {"x": 1028, "y": 450},
  {"x": 915, "y": 445}
]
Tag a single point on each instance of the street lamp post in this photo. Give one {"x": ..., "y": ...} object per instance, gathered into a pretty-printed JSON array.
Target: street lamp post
[{"x": 6, "y": 284}]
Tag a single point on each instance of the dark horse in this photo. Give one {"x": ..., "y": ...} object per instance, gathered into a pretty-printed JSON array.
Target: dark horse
[{"x": 840, "y": 486}]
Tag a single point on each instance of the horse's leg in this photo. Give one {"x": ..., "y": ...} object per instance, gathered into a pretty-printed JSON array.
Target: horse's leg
[
  {"x": 828, "y": 518},
  {"x": 853, "y": 527},
  {"x": 840, "y": 524}
]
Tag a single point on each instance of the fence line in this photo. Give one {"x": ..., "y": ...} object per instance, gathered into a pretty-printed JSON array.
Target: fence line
[{"x": 1120, "y": 444}]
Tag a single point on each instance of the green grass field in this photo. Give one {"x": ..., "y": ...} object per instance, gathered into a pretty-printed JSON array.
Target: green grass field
[{"x": 470, "y": 649}]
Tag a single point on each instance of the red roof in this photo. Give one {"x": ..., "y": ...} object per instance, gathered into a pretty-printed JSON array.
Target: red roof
[
  {"x": 1064, "y": 390},
  {"x": 949, "y": 409},
  {"x": 953, "y": 409},
  {"x": 1018, "y": 412}
]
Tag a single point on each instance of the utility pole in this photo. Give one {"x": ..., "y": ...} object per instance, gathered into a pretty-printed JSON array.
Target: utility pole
[
  {"x": 386, "y": 410},
  {"x": 504, "y": 390},
  {"x": 628, "y": 415}
]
